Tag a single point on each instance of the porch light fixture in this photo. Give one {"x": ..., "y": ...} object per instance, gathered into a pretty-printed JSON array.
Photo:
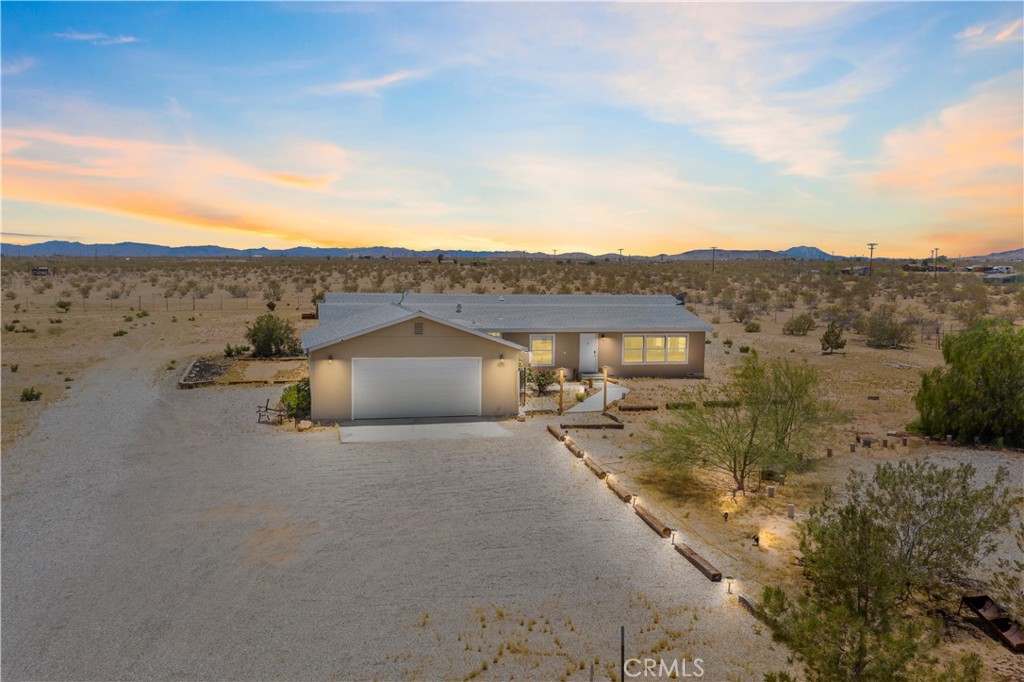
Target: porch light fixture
[
  {"x": 330, "y": 359},
  {"x": 501, "y": 359}
]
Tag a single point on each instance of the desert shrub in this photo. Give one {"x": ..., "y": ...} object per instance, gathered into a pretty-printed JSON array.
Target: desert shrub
[
  {"x": 799, "y": 325},
  {"x": 580, "y": 396},
  {"x": 237, "y": 290},
  {"x": 10, "y": 327},
  {"x": 128, "y": 318},
  {"x": 142, "y": 313},
  {"x": 752, "y": 327},
  {"x": 120, "y": 332},
  {"x": 10, "y": 294},
  {"x": 235, "y": 351},
  {"x": 742, "y": 313},
  {"x": 14, "y": 367},
  {"x": 727, "y": 343},
  {"x": 884, "y": 330},
  {"x": 832, "y": 339},
  {"x": 273, "y": 291},
  {"x": 716, "y": 320},
  {"x": 744, "y": 349},
  {"x": 271, "y": 335},
  {"x": 29, "y": 395},
  {"x": 542, "y": 377},
  {"x": 271, "y": 306},
  {"x": 296, "y": 400},
  {"x": 979, "y": 393}
]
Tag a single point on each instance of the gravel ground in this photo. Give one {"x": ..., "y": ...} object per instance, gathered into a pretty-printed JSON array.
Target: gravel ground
[{"x": 152, "y": 533}]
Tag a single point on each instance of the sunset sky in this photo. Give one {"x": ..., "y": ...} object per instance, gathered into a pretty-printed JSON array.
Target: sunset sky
[{"x": 656, "y": 128}]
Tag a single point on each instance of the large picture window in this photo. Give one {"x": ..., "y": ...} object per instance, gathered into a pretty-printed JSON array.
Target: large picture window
[
  {"x": 653, "y": 349},
  {"x": 542, "y": 349}
]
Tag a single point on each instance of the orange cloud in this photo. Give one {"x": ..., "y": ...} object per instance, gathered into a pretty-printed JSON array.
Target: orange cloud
[
  {"x": 967, "y": 162},
  {"x": 126, "y": 158}
]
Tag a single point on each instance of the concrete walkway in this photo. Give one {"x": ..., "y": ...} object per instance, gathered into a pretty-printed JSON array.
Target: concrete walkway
[
  {"x": 595, "y": 403},
  {"x": 454, "y": 430}
]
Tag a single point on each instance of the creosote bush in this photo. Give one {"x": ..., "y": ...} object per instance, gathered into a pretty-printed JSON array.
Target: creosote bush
[
  {"x": 296, "y": 400},
  {"x": 799, "y": 325},
  {"x": 29, "y": 395},
  {"x": 271, "y": 335}
]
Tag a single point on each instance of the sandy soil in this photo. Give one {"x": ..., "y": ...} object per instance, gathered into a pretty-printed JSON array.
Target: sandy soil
[
  {"x": 175, "y": 538},
  {"x": 151, "y": 532}
]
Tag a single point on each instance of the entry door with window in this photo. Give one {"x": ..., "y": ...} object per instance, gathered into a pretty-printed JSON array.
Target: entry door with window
[{"x": 588, "y": 353}]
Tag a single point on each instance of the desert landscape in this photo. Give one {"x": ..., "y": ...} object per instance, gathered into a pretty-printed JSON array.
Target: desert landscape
[{"x": 156, "y": 532}]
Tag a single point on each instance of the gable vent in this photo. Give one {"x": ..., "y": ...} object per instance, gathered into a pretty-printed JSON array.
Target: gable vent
[{"x": 417, "y": 328}]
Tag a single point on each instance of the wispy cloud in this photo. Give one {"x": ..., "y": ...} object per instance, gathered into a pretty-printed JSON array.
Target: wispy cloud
[
  {"x": 369, "y": 86},
  {"x": 984, "y": 36},
  {"x": 724, "y": 70},
  {"x": 172, "y": 183},
  {"x": 17, "y": 66},
  {"x": 966, "y": 163},
  {"x": 96, "y": 38}
]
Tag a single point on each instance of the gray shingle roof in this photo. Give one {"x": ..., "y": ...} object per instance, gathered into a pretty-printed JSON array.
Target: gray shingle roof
[
  {"x": 356, "y": 322},
  {"x": 359, "y": 320},
  {"x": 527, "y": 312}
]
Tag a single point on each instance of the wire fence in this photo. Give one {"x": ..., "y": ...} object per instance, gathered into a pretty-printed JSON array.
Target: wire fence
[{"x": 157, "y": 302}]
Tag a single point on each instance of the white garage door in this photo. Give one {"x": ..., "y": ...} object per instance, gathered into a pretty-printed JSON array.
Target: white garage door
[{"x": 386, "y": 388}]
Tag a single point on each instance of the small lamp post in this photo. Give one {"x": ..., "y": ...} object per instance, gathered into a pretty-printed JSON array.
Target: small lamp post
[
  {"x": 728, "y": 580},
  {"x": 604, "y": 373}
]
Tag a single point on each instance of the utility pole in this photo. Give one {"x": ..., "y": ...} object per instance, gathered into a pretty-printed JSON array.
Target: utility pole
[
  {"x": 935, "y": 263},
  {"x": 713, "y": 250},
  {"x": 620, "y": 255},
  {"x": 871, "y": 258}
]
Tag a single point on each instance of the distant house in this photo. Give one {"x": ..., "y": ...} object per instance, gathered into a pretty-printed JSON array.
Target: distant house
[
  {"x": 445, "y": 355},
  {"x": 1003, "y": 278},
  {"x": 40, "y": 271}
]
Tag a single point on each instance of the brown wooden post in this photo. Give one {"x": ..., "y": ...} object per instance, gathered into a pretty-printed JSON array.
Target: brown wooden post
[{"x": 561, "y": 389}]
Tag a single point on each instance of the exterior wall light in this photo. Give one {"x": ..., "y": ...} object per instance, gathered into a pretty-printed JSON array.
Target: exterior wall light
[
  {"x": 501, "y": 360},
  {"x": 330, "y": 359}
]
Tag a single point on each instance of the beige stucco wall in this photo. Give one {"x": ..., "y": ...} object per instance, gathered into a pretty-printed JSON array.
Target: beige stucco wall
[
  {"x": 331, "y": 382},
  {"x": 609, "y": 352}
]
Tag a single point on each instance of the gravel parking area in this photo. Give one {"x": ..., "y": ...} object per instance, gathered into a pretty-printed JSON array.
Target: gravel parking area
[{"x": 153, "y": 533}]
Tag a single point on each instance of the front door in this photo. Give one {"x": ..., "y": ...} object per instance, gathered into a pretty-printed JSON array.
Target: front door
[{"x": 588, "y": 353}]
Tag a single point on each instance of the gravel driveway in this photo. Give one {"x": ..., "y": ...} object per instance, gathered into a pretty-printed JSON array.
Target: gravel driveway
[{"x": 153, "y": 533}]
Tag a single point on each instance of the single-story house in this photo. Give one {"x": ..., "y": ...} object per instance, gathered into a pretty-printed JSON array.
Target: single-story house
[{"x": 444, "y": 355}]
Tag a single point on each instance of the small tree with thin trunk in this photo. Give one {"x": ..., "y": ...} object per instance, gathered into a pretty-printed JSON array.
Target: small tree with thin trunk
[{"x": 768, "y": 413}]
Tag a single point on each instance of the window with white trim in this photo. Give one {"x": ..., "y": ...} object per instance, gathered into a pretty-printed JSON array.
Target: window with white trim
[
  {"x": 654, "y": 349},
  {"x": 542, "y": 349}
]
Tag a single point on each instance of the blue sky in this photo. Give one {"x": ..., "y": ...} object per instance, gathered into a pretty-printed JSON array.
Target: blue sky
[{"x": 653, "y": 127}]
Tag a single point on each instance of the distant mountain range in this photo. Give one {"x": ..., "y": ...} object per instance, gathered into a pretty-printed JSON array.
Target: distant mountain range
[{"x": 137, "y": 250}]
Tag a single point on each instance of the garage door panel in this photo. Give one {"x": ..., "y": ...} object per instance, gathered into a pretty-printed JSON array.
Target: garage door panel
[{"x": 384, "y": 388}]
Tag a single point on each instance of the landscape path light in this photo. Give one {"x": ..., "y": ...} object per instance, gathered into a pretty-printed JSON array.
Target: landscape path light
[
  {"x": 728, "y": 580},
  {"x": 604, "y": 372}
]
